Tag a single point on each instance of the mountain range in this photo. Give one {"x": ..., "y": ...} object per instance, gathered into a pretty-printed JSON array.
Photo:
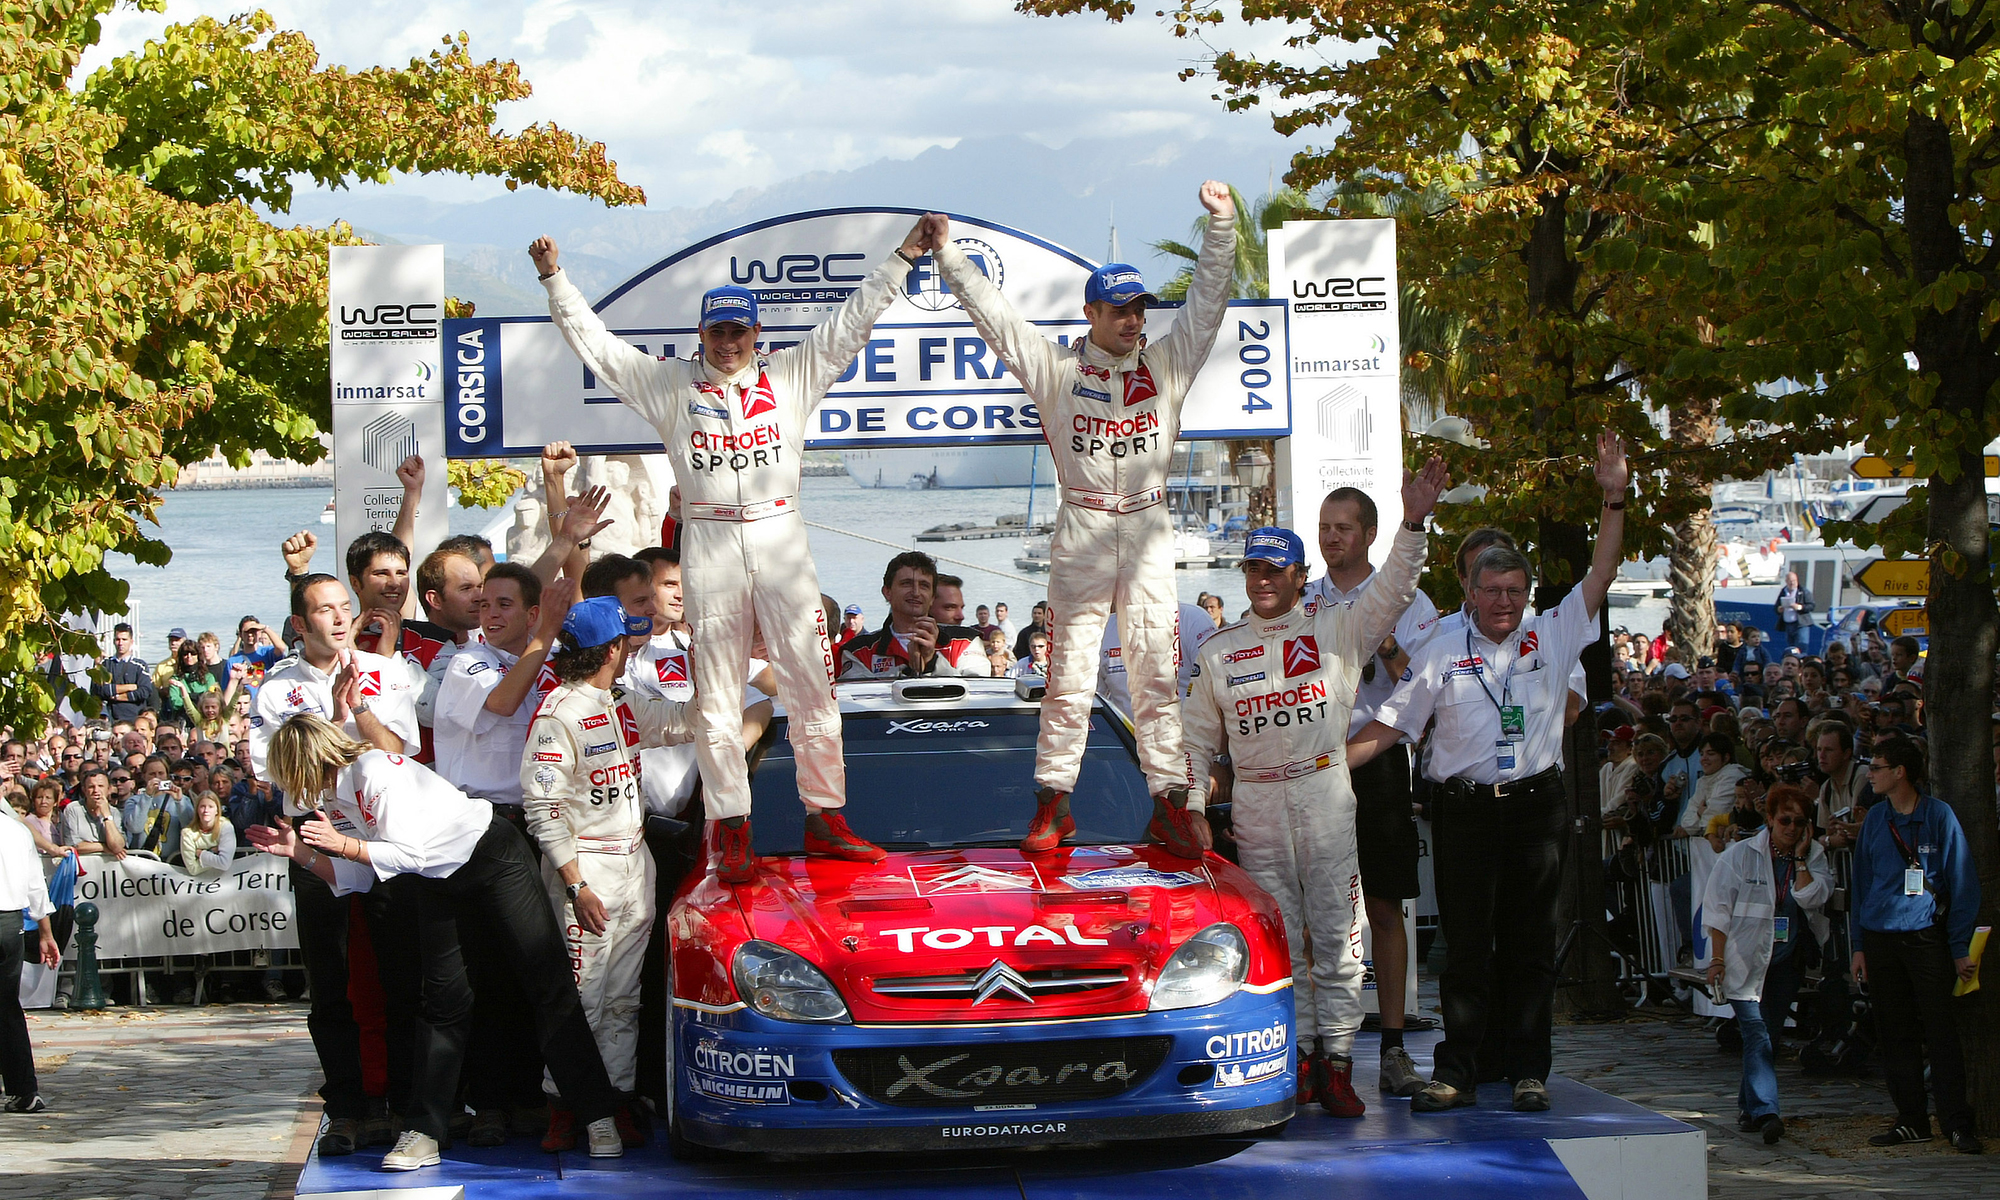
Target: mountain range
[{"x": 1069, "y": 196}]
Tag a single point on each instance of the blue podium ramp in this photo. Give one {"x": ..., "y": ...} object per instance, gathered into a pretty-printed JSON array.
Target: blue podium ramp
[{"x": 1589, "y": 1145}]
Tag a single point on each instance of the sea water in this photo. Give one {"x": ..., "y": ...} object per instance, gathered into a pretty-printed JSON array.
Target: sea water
[{"x": 226, "y": 563}]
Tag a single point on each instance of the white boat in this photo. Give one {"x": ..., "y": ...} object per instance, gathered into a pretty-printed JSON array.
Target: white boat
[
  {"x": 326, "y": 514},
  {"x": 926, "y": 467}
]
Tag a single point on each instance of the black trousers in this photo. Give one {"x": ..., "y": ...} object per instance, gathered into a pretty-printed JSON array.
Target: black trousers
[
  {"x": 17, "y": 1058},
  {"x": 1910, "y": 977},
  {"x": 501, "y": 886},
  {"x": 1499, "y": 894},
  {"x": 390, "y": 911},
  {"x": 503, "y": 1068}
]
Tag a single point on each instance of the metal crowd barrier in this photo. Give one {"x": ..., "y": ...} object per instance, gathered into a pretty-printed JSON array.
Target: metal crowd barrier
[
  {"x": 202, "y": 966},
  {"x": 1645, "y": 924}
]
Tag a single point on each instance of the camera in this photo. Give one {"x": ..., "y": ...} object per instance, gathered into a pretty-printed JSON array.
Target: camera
[{"x": 1794, "y": 772}]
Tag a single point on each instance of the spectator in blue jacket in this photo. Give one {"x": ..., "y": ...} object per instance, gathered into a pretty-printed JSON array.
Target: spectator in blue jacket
[
  {"x": 127, "y": 689},
  {"x": 1915, "y": 895}
]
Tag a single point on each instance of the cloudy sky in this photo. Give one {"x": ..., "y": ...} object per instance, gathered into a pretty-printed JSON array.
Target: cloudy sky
[{"x": 698, "y": 100}]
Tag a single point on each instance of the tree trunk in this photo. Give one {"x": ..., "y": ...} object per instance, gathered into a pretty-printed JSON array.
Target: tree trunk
[
  {"x": 1964, "y": 627},
  {"x": 1587, "y": 978},
  {"x": 1691, "y": 570}
]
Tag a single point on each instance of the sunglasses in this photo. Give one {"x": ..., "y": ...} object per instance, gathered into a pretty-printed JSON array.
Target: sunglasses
[
  {"x": 1787, "y": 822},
  {"x": 183, "y": 779},
  {"x": 72, "y": 757},
  {"x": 121, "y": 779}
]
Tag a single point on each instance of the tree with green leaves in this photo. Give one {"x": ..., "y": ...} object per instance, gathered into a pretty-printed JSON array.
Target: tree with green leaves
[
  {"x": 1857, "y": 203},
  {"x": 149, "y": 317}
]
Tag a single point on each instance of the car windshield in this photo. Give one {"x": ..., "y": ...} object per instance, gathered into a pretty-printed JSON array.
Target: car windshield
[{"x": 918, "y": 780}]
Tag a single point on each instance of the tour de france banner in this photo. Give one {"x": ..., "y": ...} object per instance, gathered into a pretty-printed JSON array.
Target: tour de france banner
[
  {"x": 146, "y": 907},
  {"x": 926, "y": 377}
]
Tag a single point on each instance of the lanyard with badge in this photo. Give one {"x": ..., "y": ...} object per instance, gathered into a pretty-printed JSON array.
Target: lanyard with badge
[
  {"x": 1913, "y": 866},
  {"x": 1781, "y": 924},
  {"x": 1513, "y": 717}
]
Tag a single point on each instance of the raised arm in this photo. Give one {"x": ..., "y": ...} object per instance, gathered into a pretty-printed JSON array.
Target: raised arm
[
  {"x": 1186, "y": 345},
  {"x": 831, "y": 346},
  {"x": 1613, "y": 475},
  {"x": 1019, "y": 344},
  {"x": 635, "y": 375},
  {"x": 410, "y": 473},
  {"x": 506, "y": 697},
  {"x": 1386, "y": 599}
]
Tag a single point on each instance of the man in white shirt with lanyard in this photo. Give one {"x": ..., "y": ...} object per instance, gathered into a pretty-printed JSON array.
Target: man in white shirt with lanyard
[
  {"x": 1385, "y": 826},
  {"x": 1499, "y": 695}
]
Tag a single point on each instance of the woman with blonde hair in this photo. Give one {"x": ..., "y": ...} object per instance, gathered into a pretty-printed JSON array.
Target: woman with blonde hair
[
  {"x": 375, "y": 815},
  {"x": 208, "y": 843}
]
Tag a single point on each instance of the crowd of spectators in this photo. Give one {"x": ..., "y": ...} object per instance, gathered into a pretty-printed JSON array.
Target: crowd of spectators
[{"x": 1797, "y": 768}]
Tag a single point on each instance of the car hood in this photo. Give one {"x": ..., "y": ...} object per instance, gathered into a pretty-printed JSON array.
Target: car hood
[{"x": 982, "y": 935}]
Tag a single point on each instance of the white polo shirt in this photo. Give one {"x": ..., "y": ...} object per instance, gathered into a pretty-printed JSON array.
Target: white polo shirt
[
  {"x": 414, "y": 822},
  {"x": 664, "y": 668},
  {"x": 1416, "y": 626},
  {"x": 1196, "y": 627},
  {"x": 1463, "y": 680},
  {"x": 1452, "y": 624},
  {"x": 477, "y": 749},
  {"x": 390, "y": 685}
]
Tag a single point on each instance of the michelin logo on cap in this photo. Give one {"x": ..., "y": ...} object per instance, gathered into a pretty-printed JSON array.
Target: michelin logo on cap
[
  {"x": 732, "y": 304},
  {"x": 1280, "y": 547}
]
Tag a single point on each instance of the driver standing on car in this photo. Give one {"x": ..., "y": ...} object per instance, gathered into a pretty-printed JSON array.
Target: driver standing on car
[
  {"x": 733, "y": 420},
  {"x": 580, "y": 787},
  {"x": 1275, "y": 689},
  {"x": 1111, "y": 407}
]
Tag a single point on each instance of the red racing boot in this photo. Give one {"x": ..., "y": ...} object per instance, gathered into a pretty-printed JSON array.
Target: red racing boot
[
  {"x": 739, "y": 862},
  {"x": 1336, "y": 1095},
  {"x": 828, "y": 836},
  {"x": 1172, "y": 825},
  {"x": 1312, "y": 1079},
  {"x": 562, "y": 1131},
  {"x": 1052, "y": 822}
]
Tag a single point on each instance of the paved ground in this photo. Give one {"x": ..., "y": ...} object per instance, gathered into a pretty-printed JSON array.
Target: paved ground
[{"x": 215, "y": 1104}]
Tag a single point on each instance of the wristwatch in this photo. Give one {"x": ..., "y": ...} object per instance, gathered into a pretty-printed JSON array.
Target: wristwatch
[
  {"x": 360, "y": 706},
  {"x": 574, "y": 888}
]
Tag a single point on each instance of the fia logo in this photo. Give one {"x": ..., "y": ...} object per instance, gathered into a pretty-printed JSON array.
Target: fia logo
[
  {"x": 1301, "y": 656},
  {"x": 925, "y": 288}
]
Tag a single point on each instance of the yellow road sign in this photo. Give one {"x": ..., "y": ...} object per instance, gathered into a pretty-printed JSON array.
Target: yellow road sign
[
  {"x": 1895, "y": 577},
  {"x": 1874, "y": 466},
  {"x": 1912, "y": 621}
]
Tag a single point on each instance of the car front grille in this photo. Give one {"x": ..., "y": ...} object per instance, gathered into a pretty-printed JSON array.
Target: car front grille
[
  {"x": 975, "y": 1076},
  {"x": 980, "y": 986}
]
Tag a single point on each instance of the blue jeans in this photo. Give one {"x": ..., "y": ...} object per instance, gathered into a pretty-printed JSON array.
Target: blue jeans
[{"x": 1757, "y": 1095}]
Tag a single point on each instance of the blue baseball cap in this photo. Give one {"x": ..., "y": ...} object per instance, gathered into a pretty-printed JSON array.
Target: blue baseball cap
[
  {"x": 1281, "y": 547},
  {"x": 1116, "y": 283},
  {"x": 729, "y": 303},
  {"x": 598, "y": 620}
]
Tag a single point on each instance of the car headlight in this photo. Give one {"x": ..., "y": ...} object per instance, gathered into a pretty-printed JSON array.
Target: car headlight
[
  {"x": 778, "y": 983},
  {"x": 1208, "y": 967}
]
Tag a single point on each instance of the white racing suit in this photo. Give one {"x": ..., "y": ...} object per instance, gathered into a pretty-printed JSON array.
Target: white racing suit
[
  {"x": 580, "y": 787},
  {"x": 1278, "y": 693},
  {"x": 735, "y": 443},
  {"x": 1110, "y": 424}
]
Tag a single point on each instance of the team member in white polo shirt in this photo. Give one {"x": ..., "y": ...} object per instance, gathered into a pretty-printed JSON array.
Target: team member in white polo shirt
[
  {"x": 383, "y": 714},
  {"x": 1385, "y": 827},
  {"x": 377, "y": 816},
  {"x": 1275, "y": 688},
  {"x": 493, "y": 687},
  {"x": 1499, "y": 693},
  {"x": 734, "y": 424}
]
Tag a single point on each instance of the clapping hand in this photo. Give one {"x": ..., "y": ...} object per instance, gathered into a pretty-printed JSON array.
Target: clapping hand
[
  {"x": 1421, "y": 489},
  {"x": 584, "y": 518}
]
